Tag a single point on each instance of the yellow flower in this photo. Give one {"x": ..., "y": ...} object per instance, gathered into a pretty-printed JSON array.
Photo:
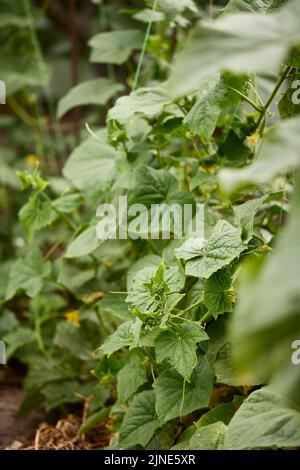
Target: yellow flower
[
  {"x": 252, "y": 140},
  {"x": 73, "y": 317},
  {"x": 32, "y": 160},
  {"x": 212, "y": 169}
]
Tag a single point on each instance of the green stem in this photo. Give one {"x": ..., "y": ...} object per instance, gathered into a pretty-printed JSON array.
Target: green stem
[
  {"x": 254, "y": 89},
  {"x": 205, "y": 317},
  {"x": 269, "y": 101},
  {"x": 191, "y": 307},
  {"x": 43, "y": 72},
  {"x": 184, "y": 319},
  {"x": 21, "y": 112},
  {"x": 145, "y": 43},
  {"x": 61, "y": 214},
  {"x": 246, "y": 98}
]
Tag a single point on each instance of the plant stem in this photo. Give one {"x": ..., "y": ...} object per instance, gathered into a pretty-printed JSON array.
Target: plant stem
[
  {"x": 269, "y": 101},
  {"x": 61, "y": 214},
  {"x": 74, "y": 63},
  {"x": 145, "y": 43},
  {"x": 21, "y": 112},
  {"x": 184, "y": 319},
  {"x": 205, "y": 317},
  {"x": 210, "y": 9},
  {"x": 246, "y": 98},
  {"x": 191, "y": 307}
]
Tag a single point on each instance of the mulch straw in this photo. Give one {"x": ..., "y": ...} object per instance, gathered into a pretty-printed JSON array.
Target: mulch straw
[{"x": 65, "y": 436}]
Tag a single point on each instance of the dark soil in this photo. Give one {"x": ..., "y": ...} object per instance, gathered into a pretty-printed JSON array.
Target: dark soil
[{"x": 12, "y": 427}]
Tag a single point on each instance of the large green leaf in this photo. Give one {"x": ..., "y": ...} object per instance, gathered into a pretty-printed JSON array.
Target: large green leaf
[
  {"x": 217, "y": 297},
  {"x": 148, "y": 102},
  {"x": 176, "y": 397},
  {"x": 121, "y": 338},
  {"x": 140, "y": 422},
  {"x": 179, "y": 347},
  {"x": 244, "y": 215},
  {"x": 209, "y": 437},
  {"x": 35, "y": 215},
  {"x": 28, "y": 274},
  {"x": 264, "y": 420},
  {"x": 279, "y": 152},
  {"x": 97, "y": 91},
  {"x": 266, "y": 320},
  {"x": 239, "y": 42},
  {"x": 83, "y": 244},
  {"x": 92, "y": 165},
  {"x": 114, "y": 47},
  {"x": 224, "y": 245},
  {"x": 152, "y": 186},
  {"x": 130, "y": 378},
  {"x": 203, "y": 116}
]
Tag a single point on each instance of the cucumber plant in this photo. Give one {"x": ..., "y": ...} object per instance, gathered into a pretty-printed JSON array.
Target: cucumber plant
[{"x": 189, "y": 342}]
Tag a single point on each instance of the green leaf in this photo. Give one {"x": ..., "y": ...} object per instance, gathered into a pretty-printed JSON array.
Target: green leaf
[
  {"x": 140, "y": 422},
  {"x": 190, "y": 249},
  {"x": 209, "y": 437},
  {"x": 12, "y": 20},
  {"x": 179, "y": 347},
  {"x": 68, "y": 203},
  {"x": 35, "y": 215},
  {"x": 148, "y": 102},
  {"x": 224, "y": 245},
  {"x": 114, "y": 47},
  {"x": 264, "y": 420},
  {"x": 288, "y": 106},
  {"x": 216, "y": 293},
  {"x": 223, "y": 412},
  {"x": 239, "y": 42},
  {"x": 178, "y": 6},
  {"x": 84, "y": 244},
  {"x": 130, "y": 378},
  {"x": 97, "y": 91},
  {"x": 18, "y": 338},
  {"x": 224, "y": 368},
  {"x": 92, "y": 165},
  {"x": 152, "y": 186},
  {"x": 202, "y": 118},
  {"x": 58, "y": 393},
  {"x": 279, "y": 152},
  {"x": 8, "y": 322},
  {"x": 263, "y": 6},
  {"x": 244, "y": 215},
  {"x": 121, "y": 338},
  {"x": 152, "y": 284},
  {"x": 27, "y": 274},
  {"x": 94, "y": 419},
  {"x": 266, "y": 320},
  {"x": 145, "y": 261},
  {"x": 176, "y": 397},
  {"x": 21, "y": 71},
  {"x": 146, "y": 15},
  {"x": 72, "y": 339},
  {"x": 115, "y": 304}
]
